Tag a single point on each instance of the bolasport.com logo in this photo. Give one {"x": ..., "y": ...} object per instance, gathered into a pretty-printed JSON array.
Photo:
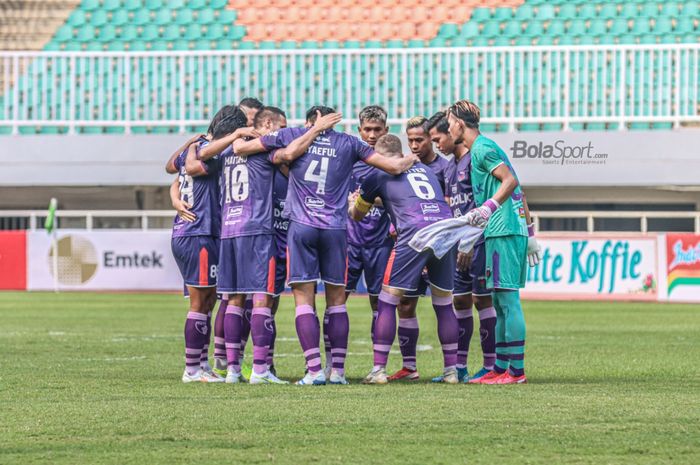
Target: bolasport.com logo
[{"x": 559, "y": 153}]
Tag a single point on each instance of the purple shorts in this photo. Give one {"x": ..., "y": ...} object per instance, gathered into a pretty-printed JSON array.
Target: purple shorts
[
  {"x": 422, "y": 289},
  {"x": 197, "y": 258},
  {"x": 406, "y": 266},
  {"x": 247, "y": 265},
  {"x": 314, "y": 253},
  {"x": 280, "y": 274},
  {"x": 473, "y": 281},
  {"x": 371, "y": 260}
]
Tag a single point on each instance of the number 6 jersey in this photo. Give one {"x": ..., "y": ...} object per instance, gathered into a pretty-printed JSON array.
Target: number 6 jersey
[
  {"x": 413, "y": 199},
  {"x": 319, "y": 180}
]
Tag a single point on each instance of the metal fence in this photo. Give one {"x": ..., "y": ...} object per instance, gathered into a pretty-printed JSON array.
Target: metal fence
[
  {"x": 546, "y": 221},
  {"x": 564, "y": 86}
]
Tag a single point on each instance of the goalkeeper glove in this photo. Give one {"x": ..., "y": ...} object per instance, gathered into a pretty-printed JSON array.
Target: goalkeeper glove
[
  {"x": 534, "y": 251},
  {"x": 479, "y": 217}
]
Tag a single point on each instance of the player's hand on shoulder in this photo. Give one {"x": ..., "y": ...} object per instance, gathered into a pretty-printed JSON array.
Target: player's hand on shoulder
[
  {"x": 327, "y": 121},
  {"x": 247, "y": 133}
]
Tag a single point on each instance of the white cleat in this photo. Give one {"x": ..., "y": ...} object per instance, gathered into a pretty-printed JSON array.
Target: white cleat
[
  {"x": 450, "y": 376},
  {"x": 192, "y": 378},
  {"x": 376, "y": 377},
  {"x": 265, "y": 378},
  {"x": 211, "y": 377},
  {"x": 318, "y": 379},
  {"x": 336, "y": 378},
  {"x": 234, "y": 377}
]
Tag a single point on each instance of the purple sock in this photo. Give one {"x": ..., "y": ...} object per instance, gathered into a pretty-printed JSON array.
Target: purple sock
[
  {"x": 261, "y": 330},
  {"x": 408, "y": 341},
  {"x": 374, "y": 322},
  {"x": 232, "y": 334},
  {"x": 308, "y": 331},
  {"x": 465, "y": 320},
  {"x": 487, "y": 330},
  {"x": 219, "y": 341},
  {"x": 245, "y": 328},
  {"x": 327, "y": 340},
  {"x": 204, "y": 357},
  {"x": 271, "y": 351},
  {"x": 338, "y": 332},
  {"x": 385, "y": 328},
  {"x": 448, "y": 332},
  {"x": 195, "y": 337}
]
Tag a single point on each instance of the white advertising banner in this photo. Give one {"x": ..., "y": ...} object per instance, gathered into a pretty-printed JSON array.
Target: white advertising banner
[
  {"x": 593, "y": 267},
  {"x": 102, "y": 260}
]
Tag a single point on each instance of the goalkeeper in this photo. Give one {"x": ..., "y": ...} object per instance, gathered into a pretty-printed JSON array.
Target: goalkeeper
[{"x": 510, "y": 242}]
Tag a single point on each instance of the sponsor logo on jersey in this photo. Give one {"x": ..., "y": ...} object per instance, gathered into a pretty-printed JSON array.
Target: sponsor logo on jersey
[
  {"x": 429, "y": 208},
  {"x": 234, "y": 211},
  {"x": 314, "y": 202}
]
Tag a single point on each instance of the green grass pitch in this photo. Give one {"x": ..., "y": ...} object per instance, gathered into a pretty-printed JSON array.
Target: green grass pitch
[{"x": 95, "y": 378}]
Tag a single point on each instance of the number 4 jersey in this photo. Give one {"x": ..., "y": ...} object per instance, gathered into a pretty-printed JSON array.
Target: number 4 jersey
[
  {"x": 320, "y": 179},
  {"x": 246, "y": 203},
  {"x": 413, "y": 199}
]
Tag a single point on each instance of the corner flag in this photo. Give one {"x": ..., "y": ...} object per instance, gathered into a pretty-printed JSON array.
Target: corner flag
[{"x": 50, "y": 222}]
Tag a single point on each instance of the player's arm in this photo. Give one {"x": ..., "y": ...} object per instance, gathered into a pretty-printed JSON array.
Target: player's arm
[
  {"x": 361, "y": 201},
  {"x": 182, "y": 207},
  {"x": 216, "y": 146},
  {"x": 492, "y": 162},
  {"x": 194, "y": 166},
  {"x": 300, "y": 145},
  {"x": 170, "y": 167},
  {"x": 392, "y": 165}
]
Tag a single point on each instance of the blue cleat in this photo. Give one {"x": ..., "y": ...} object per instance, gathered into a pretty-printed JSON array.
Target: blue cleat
[
  {"x": 437, "y": 379},
  {"x": 478, "y": 375},
  {"x": 463, "y": 374}
]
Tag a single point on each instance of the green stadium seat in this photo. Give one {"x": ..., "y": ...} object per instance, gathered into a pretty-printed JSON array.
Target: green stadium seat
[
  {"x": 468, "y": 30},
  {"x": 448, "y": 30},
  {"x": 159, "y": 46},
  {"x": 128, "y": 33},
  {"x": 556, "y": 28},
  {"x": 98, "y": 18},
  {"x": 525, "y": 11},
  {"x": 64, "y": 33},
  {"x": 502, "y": 14},
  {"x": 175, "y": 4},
  {"x": 107, "y": 33},
  {"x": 86, "y": 33},
  {"x": 119, "y": 18},
  {"x": 214, "y": 31},
  {"x": 184, "y": 16},
  {"x": 154, "y": 4},
  {"x": 205, "y": 16},
  {"x": 418, "y": 43},
  {"x": 227, "y": 16},
  {"x": 690, "y": 9},
  {"x": 267, "y": 45},
  {"x": 513, "y": 28},
  {"x": 619, "y": 26},
  {"x": 149, "y": 32},
  {"x": 236, "y": 32},
  {"x": 132, "y": 5},
  {"x": 630, "y": 10},
  {"x": 567, "y": 11},
  {"x": 480, "y": 14},
  {"x": 171, "y": 32},
  {"x": 650, "y": 9},
  {"x": 218, "y": 4},
  {"x": 90, "y": 5},
  {"x": 115, "y": 46},
  {"x": 684, "y": 25},
  {"x": 534, "y": 28},
  {"x": 545, "y": 11},
  {"x": 193, "y": 31},
  {"x": 491, "y": 28},
  {"x": 94, "y": 47},
  {"x": 576, "y": 27},
  {"x": 163, "y": 17},
  {"x": 608, "y": 10},
  {"x": 76, "y": 18},
  {"x": 141, "y": 17},
  {"x": 597, "y": 27},
  {"x": 663, "y": 26},
  {"x": 641, "y": 26}
]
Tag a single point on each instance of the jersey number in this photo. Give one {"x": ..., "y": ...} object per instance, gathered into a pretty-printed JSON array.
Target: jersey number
[
  {"x": 320, "y": 178},
  {"x": 237, "y": 188},
  {"x": 421, "y": 186},
  {"x": 186, "y": 189}
]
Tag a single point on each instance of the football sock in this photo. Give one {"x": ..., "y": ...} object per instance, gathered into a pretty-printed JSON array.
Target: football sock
[
  {"x": 374, "y": 322},
  {"x": 448, "y": 332},
  {"x": 308, "y": 331},
  {"x": 465, "y": 320},
  {"x": 195, "y": 337},
  {"x": 408, "y": 341},
  {"x": 219, "y": 342},
  {"x": 514, "y": 327},
  {"x": 385, "y": 328},
  {"x": 261, "y": 331},
  {"x": 487, "y": 330},
  {"x": 204, "y": 357},
  {"x": 327, "y": 339},
  {"x": 338, "y": 332},
  {"x": 232, "y": 336},
  {"x": 271, "y": 352},
  {"x": 245, "y": 325}
]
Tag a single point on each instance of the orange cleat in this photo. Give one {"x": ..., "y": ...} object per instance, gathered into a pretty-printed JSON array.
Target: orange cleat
[
  {"x": 405, "y": 374},
  {"x": 489, "y": 378},
  {"x": 510, "y": 379}
]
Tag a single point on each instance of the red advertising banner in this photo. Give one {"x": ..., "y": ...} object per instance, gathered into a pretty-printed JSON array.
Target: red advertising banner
[
  {"x": 683, "y": 266},
  {"x": 13, "y": 260}
]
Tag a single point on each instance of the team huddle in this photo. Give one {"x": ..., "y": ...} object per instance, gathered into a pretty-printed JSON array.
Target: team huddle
[{"x": 261, "y": 206}]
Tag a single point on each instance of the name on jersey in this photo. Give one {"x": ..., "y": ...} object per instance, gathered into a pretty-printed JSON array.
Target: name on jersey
[
  {"x": 459, "y": 199},
  {"x": 416, "y": 169},
  {"x": 235, "y": 160},
  {"x": 322, "y": 151}
]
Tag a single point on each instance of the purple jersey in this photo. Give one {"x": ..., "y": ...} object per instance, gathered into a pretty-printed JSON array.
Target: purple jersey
[
  {"x": 458, "y": 188},
  {"x": 246, "y": 207},
  {"x": 439, "y": 166},
  {"x": 374, "y": 227},
  {"x": 281, "y": 224},
  {"x": 413, "y": 199},
  {"x": 202, "y": 192},
  {"x": 319, "y": 180}
]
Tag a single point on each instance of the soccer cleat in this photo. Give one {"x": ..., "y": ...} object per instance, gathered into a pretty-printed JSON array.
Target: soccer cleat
[
  {"x": 510, "y": 379},
  {"x": 265, "y": 378},
  {"x": 336, "y": 378},
  {"x": 220, "y": 372},
  {"x": 234, "y": 377},
  {"x": 437, "y": 379},
  {"x": 448, "y": 377},
  {"x": 273, "y": 370},
  {"x": 463, "y": 374},
  {"x": 327, "y": 371},
  {"x": 192, "y": 378},
  {"x": 211, "y": 377},
  {"x": 478, "y": 375},
  {"x": 405, "y": 374},
  {"x": 490, "y": 378},
  {"x": 376, "y": 377},
  {"x": 246, "y": 369},
  {"x": 318, "y": 379}
]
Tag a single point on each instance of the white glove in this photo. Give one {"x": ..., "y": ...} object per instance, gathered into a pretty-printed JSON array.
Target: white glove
[
  {"x": 479, "y": 217},
  {"x": 534, "y": 250}
]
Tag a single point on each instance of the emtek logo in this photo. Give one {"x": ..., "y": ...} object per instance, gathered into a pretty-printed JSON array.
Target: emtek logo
[
  {"x": 558, "y": 153},
  {"x": 112, "y": 259}
]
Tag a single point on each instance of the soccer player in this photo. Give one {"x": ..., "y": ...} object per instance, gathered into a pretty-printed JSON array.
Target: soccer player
[
  {"x": 369, "y": 244},
  {"x": 501, "y": 210},
  {"x": 470, "y": 274},
  {"x": 414, "y": 200},
  {"x": 420, "y": 144},
  {"x": 317, "y": 200},
  {"x": 250, "y": 106}
]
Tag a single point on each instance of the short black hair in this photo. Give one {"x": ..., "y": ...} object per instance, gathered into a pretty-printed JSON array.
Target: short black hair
[
  {"x": 417, "y": 122},
  {"x": 235, "y": 120},
  {"x": 267, "y": 112},
  {"x": 250, "y": 102},
  {"x": 311, "y": 112},
  {"x": 439, "y": 122},
  {"x": 221, "y": 114}
]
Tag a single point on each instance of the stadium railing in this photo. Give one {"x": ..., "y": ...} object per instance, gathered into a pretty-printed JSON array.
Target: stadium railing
[
  {"x": 145, "y": 220},
  {"x": 518, "y": 88}
]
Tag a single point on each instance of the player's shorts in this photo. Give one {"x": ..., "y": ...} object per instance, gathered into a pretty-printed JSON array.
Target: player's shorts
[
  {"x": 422, "y": 289},
  {"x": 506, "y": 262},
  {"x": 247, "y": 265},
  {"x": 473, "y": 280},
  {"x": 280, "y": 274},
  {"x": 371, "y": 260},
  {"x": 314, "y": 253},
  {"x": 197, "y": 258},
  {"x": 406, "y": 266}
]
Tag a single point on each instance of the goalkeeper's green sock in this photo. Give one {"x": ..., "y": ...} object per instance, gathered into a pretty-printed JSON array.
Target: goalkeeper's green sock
[
  {"x": 501, "y": 365},
  {"x": 514, "y": 326}
]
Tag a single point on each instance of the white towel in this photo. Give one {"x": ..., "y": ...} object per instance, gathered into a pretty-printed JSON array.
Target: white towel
[{"x": 443, "y": 235}]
